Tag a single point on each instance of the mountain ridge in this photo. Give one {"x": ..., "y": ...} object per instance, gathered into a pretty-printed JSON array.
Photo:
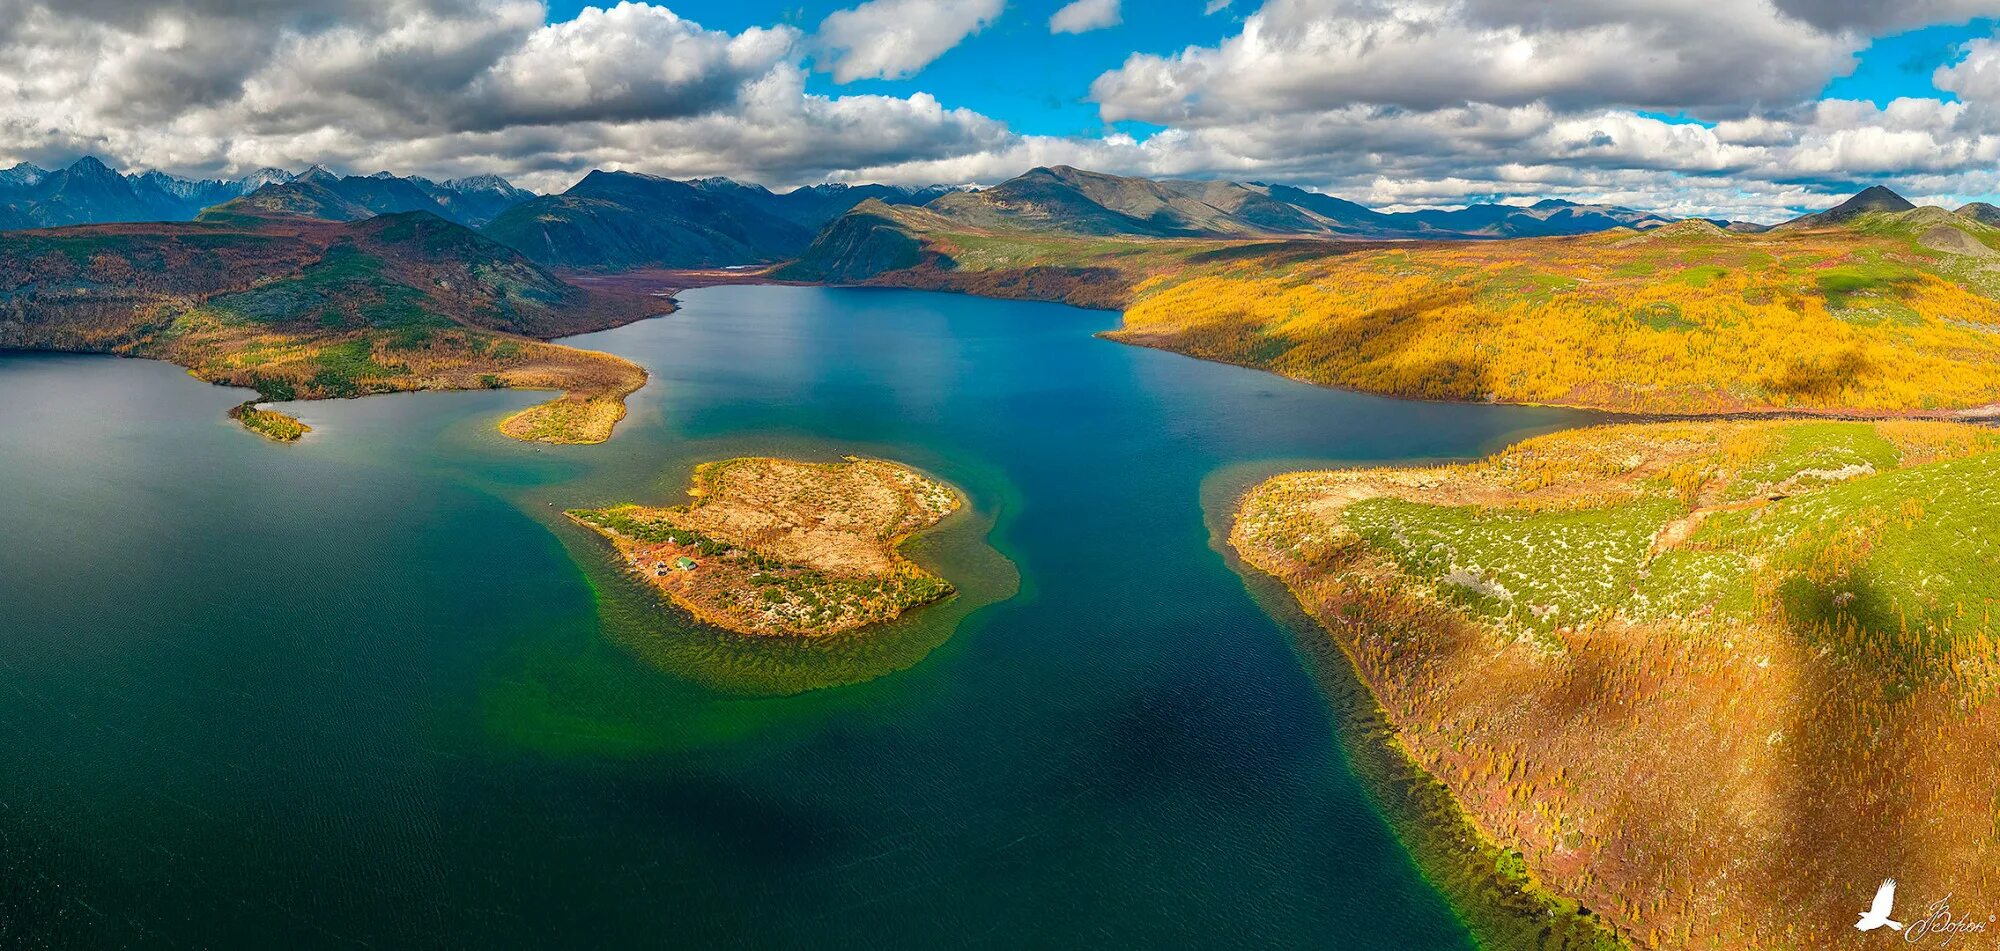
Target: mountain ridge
[
  {"x": 1064, "y": 199},
  {"x": 612, "y": 220}
]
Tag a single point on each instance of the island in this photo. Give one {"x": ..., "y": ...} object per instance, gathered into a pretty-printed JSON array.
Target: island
[
  {"x": 269, "y": 423},
  {"x": 1713, "y": 681},
  {"x": 776, "y": 547}
]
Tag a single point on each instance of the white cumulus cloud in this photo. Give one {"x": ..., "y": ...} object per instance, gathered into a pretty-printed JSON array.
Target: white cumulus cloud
[
  {"x": 893, "y": 39},
  {"x": 1388, "y": 102},
  {"x": 1083, "y": 16}
]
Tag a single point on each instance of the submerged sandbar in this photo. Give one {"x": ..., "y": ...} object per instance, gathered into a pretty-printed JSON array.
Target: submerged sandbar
[{"x": 786, "y": 548}]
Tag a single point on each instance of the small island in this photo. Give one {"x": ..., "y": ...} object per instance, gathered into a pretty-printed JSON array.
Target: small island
[
  {"x": 269, "y": 423},
  {"x": 776, "y": 547}
]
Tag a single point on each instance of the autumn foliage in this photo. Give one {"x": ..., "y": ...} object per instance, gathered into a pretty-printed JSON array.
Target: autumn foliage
[{"x": 1713, "y": 681}]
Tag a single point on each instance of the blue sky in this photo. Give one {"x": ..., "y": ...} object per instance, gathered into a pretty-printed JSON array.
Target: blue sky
[
  {"x": 1746, "y": 109},
  {"x": 1014, "y": 70},
  {"x": 1901, "y": 64}
]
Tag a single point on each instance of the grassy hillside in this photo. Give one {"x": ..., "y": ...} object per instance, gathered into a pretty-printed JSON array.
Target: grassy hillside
[
  {"x": 1878, "y": 312},
  {"x": 1714, "y": 681},
  {"x": 314, "y": 310}
]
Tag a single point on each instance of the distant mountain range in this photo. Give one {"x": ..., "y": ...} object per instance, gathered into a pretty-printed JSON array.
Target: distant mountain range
[
  {"x": 607, "y": 221},
  {"x": 623, "y": 220},
  {"x": 1068, "y": 200},
  {"x": 319, "y": 193},
  {"x": 90, "y": 192}
]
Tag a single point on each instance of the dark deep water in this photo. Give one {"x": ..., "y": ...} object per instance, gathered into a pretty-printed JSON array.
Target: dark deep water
[{"x": 360, "y": 690}]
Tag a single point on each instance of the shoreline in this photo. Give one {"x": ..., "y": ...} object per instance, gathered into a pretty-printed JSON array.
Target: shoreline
[
  {"x": 1460, "y": 858},
  {"x": 780, "y": 548},
  {"x": 1525, "y": 900},
  {"x": 1526, "y": 725},
  {"x": 668, "y": 282},
  {"x": 586, "y": 413}
]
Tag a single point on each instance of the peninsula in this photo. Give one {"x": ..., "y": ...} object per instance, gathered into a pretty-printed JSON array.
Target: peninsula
[
  {"x": 775, "y": 547},
  {"x": 1875, "y": 307},
  {"x": 299, "y": 308},
  {"x": 1710, "y": 680}
]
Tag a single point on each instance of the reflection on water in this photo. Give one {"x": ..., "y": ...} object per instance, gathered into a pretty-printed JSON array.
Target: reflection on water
[{"x": 373, "y": 688}]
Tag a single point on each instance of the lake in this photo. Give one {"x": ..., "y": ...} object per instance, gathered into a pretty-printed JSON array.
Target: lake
[{"x": 371, "y": 688}]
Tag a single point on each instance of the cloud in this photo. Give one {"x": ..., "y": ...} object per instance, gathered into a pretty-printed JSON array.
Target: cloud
[
  {"x": 439, "y": 87},
  {"x": 1083, "y": 16},
  {"x": 1877, "y": 16},
  {"x": 893, "y": 39},
  {"x": 631, "y": 62},
  {"x": 1303, "y": 55},
  {"x": 1388, "y": 102}
]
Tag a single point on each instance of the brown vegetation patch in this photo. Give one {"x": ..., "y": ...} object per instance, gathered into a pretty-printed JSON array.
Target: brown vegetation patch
[
  {"x": 777, "y": 547},
  {"x": 1755, "y": 721}
]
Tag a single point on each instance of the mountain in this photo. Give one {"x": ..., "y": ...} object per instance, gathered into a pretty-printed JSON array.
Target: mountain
[
  {"x": 1062, "y": 203},
  {"x": 178, "y": 195},
  {"x": 1549, "y": 217},
  {"x": 1875, "y": 198},
  {"x": 319, "y": 193},
  {"x": 90, "y": 192},
  {"x": 623, "y": 220},
  {"x": 477, "y": 200},
  {"x": 23, "y": 175},
  {"x": 303, "y": 197},
  {"x": 815, "y": 205},
  {"x": 87, "y": 191},
  {"x": 1067, "y": 200},
  {"x": 260, "y": 178}
]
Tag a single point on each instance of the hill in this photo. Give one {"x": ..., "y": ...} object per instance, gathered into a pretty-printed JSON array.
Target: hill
[
  {"x": 1065, "y": 200},
  {"x": 1880, "y": 312},
  {"x": 300, "y": 309},
  {"x": 1712, "y": 681},
  {"x": 1875, "y": 199},
  {"x": 622, "y": 220}
]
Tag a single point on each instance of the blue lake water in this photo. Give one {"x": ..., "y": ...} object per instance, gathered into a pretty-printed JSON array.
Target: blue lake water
[{"x": 370, "y": 689}]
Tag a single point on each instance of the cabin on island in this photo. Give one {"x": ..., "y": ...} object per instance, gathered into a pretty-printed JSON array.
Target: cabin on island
[{"x": 684, "y": 563}]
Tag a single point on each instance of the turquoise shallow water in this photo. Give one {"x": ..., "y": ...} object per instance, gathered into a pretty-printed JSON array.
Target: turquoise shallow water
[{"x": 370, "y": 689}]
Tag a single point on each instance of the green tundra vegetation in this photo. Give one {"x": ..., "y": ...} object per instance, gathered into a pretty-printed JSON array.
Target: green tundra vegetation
[
  {"x": 302, "y": 309},
  {"x": 1707, "y": 679},
  {"x": 774, "y": 547}
]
